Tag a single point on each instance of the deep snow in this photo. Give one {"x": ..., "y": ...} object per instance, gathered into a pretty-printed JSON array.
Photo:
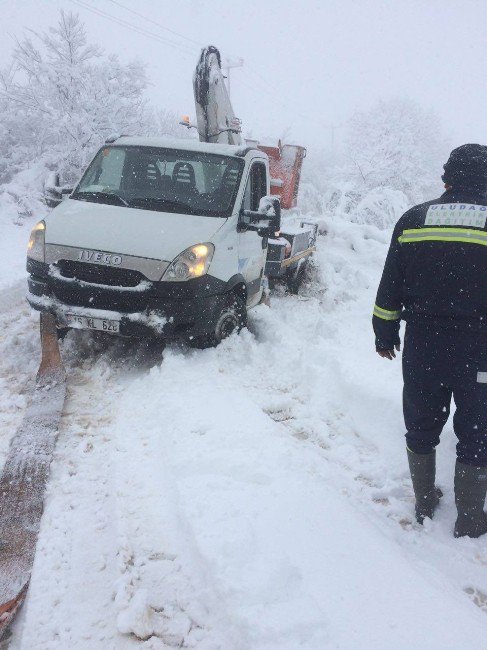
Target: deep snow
[{"x": 255, "y": 496}]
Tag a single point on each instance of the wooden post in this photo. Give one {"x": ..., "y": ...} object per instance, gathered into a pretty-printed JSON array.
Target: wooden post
[{"x": 51, "y": 362}]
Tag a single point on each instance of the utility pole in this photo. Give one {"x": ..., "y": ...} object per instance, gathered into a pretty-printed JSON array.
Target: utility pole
[
  {"x": 229, "y": 64},
  {"x": 333, "y": 128}
]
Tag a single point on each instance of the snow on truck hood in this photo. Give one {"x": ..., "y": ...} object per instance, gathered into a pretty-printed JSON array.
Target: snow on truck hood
[{"x": 127, "y": 231}]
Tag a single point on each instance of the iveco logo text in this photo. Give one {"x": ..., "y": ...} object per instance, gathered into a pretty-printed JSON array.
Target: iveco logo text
[{"x": 97, "y": 257}]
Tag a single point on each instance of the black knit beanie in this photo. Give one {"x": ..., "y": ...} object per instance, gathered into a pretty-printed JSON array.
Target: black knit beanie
[{"x": 467, "y": 167}]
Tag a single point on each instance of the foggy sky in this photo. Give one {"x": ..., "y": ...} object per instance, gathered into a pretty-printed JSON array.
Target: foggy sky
[{"x": 308, "y": 64}]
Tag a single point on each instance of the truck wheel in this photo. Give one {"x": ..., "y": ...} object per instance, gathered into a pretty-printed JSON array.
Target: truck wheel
[
  {"x": 61, "y": 333},
  {"x": 295, "y": 277},
  {"x": 233, "y": 317}
]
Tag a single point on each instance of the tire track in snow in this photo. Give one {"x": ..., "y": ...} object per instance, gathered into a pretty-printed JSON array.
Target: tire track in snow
[
  {"x": 19, "y": 359},
  {"x": 164, "y": 591},
  {"x": 95, "y": 557},
  {"x": 105, "y": 566},
  {"x": 71, "y": 594}
]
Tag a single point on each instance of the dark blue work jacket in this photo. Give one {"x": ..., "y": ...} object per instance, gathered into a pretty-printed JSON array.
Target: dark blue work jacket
[{"x": 436, "y": 268}]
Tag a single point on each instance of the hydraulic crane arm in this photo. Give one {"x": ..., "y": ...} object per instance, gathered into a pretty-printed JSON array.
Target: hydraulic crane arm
[
  {"x": 214, "y": 112},
  {"x": 216, "y": 122}
]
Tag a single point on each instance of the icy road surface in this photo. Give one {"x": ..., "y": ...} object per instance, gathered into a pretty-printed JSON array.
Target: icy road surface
[{"x": 251, "y": 497}]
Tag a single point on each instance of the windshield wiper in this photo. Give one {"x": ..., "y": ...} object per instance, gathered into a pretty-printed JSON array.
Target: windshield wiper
[
  {"x": 159, "y": 202},
  {"x": 99, "y": 196}
]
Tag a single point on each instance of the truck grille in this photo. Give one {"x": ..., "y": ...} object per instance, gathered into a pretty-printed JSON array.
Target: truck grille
[
  {"x": 100, "y": 298},
  {"x": 99, "y": 274}
]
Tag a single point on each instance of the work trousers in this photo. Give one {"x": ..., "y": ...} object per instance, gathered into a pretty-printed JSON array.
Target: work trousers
[{"x": 438, "y": 364}]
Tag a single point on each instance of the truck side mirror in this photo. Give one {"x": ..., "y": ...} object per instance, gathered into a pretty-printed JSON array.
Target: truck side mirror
[
  {"x": 267, "y": 220},
  {"x": 270, "y": 206},
  {"x": 54, "y": 192},
  {"x": 65, "y": 192}
]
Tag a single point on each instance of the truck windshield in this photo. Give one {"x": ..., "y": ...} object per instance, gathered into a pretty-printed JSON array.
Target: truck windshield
[{"x": 165, "y": 180}]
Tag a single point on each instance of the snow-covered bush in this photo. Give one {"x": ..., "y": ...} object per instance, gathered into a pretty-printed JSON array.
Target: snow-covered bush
[
  {"x": 381, "y": 207},
  {"x": 166, "y": 123}
]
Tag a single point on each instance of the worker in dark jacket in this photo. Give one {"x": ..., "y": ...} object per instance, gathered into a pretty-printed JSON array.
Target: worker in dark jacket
[{"x": 435, "y": 278}]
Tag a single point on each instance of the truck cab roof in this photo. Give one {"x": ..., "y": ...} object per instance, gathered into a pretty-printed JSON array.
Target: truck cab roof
[{"x": 189, "y": 145}]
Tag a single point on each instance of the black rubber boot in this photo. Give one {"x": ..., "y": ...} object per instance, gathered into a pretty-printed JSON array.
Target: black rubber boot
[
  {"x": 470, "y": 491},
  {"x": 423, "y": 471}
]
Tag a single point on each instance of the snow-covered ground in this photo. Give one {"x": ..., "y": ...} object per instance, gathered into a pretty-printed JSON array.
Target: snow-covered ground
[{"x": 249, "y": 497}]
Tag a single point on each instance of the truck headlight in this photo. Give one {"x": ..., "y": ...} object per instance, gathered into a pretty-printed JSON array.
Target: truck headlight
[
  {"x": 191, "y": 263},
  {"x": 35, "y": 247}
]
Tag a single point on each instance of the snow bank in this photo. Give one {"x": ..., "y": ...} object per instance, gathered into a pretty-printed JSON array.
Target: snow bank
[
  {"x": 276, "y": 464},
  {"x": 13, "y": 244},
  {"x": 379, "y": 206},
  {"x": 20, "y": 209}
]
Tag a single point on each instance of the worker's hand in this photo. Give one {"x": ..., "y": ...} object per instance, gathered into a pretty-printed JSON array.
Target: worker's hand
[{"x": 389, "y": 354}]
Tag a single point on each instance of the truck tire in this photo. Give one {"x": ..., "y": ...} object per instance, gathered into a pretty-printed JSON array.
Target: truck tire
[
  {"x": 61, "y": 333},
  {"x": 295, "y": 277},
  {"x": 233, "y": 317}
]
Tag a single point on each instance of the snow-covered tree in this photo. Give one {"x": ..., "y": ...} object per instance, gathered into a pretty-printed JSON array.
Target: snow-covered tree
[
  {"x": 166, "y": 123},
  {"x": 398, "y": 145},
  {"x": 60, "y": 97},
  {"x": 63, "y": 96}
]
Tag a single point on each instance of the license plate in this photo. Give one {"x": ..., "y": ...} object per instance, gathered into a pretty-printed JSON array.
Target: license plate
[{"x": 88, "y": 323}]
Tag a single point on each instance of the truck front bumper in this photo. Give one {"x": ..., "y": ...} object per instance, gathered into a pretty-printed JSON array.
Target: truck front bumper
[{"x": 171, "y": 310}]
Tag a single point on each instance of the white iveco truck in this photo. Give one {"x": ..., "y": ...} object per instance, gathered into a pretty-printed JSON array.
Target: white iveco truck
[{"x": 169, "y": 237}]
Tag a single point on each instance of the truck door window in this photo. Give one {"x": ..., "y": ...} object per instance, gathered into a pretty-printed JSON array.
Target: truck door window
[
  {"x": 256, "y": 187},
  {"x": 108, "y": 172}
]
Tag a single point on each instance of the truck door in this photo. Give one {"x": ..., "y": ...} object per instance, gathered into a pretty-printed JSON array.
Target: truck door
[{"x": 252, "y": 248}]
